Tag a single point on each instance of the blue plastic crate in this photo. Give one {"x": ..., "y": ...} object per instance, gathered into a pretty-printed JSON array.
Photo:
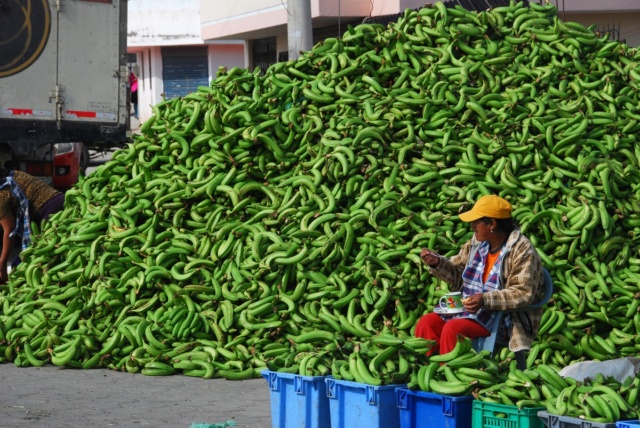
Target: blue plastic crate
[
  {"x": 557, "y": 421},
  {"x": 297, "y": 401},
  {"x": 628, "y": 424},
  {"x": 354, "y": 404},
  {"x": 419, "y": 409}
]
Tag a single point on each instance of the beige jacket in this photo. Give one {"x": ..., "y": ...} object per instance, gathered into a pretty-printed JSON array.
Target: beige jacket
[{"x": 521, "y": 284}]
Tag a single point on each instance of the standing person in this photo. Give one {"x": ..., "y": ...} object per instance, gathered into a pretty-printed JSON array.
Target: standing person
[
  {"x": 133, "y": 81},
  {"x": 497, "y": 270},
  {"x": 23, "y": 198}
]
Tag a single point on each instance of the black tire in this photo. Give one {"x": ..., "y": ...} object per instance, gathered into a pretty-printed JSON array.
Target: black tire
[{"x": 85, "y": 159}]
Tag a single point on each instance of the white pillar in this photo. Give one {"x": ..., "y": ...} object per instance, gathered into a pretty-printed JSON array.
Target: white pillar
[{"x": 299, "y": 27}]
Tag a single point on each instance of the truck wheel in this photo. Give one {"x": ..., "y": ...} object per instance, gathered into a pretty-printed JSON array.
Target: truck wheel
[{"x": 84, "y": 160}]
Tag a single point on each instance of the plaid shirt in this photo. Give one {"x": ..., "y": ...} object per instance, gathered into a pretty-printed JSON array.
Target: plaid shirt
[
  {"x": 521, "y": 283},
  {"x": 23, "y": 222},
  {"x": 472, "y": 282}
]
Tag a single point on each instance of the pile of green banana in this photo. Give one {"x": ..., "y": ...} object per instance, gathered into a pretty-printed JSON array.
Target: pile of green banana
[
  {"x": 275, "y": 217},
  {"x": 383, "y": 360},
  {"x": 459, "y": 372},
  {"x": 602, "y": 399}
]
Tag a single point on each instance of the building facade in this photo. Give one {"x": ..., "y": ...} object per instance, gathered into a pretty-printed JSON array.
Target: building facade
[
  {"x": 177, "y": 45},
  {"x": 621, "y": 18},
  {"x": 263, "y": 24},
  {"x": 167, "y": 53}
]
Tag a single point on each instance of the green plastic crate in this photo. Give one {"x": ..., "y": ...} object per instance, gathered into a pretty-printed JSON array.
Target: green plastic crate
[{"x": 491, "y": 415}]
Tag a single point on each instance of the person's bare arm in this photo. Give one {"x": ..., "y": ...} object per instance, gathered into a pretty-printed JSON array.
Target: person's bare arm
[{"x": 8, "y": 223}]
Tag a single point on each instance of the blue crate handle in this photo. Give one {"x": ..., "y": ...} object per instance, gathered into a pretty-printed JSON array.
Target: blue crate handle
[
  {"x": 402, "y": 399},
  {"x": 298, "y": 383},
  {"x": 447, "y": 406},
  {"x": 370, "y": 394},
  {"x": 273, "y": 381},
  {"x": 331, "y": 385}
]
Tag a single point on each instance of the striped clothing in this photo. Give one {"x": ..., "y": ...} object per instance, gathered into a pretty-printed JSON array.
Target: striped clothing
[
  {"x": 37, "y": 192},
  {"x": 473, "y": 283},
  {"x": 23, "y": 220},
  {"x": 23, "y": 196},
  {"x": 519, "y": 274}
]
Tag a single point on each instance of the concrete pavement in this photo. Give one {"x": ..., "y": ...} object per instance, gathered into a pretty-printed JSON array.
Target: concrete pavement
[{"x": 55, "y": 397}]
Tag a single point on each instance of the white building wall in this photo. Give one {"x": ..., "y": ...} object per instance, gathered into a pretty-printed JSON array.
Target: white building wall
[
  {"x": 229, "y": 19},
  {"x": 282, "y": 42},
  {"x": 214, "y": 10},
  {"x": 626, "y": 24},
  {"x": 241, "y": 10},
  {"x": 267, "y": 18},
  {"x": 164, "y": 23},
  {"x": 226, "y": 9},
  {"x": 153, "y": 24},
  {"x": 227, "y": 55},
  {"x": 150, "y": 85},
  {"x": 597, "y": 6}
]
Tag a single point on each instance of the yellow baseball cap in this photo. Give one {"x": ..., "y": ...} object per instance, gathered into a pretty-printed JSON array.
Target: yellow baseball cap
[{"x": 488, "y": 206}]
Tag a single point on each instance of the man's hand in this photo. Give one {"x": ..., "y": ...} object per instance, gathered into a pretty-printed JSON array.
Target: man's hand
[
  {"x": 473, "y": 303},
  {"x": 430, "y": 258}
]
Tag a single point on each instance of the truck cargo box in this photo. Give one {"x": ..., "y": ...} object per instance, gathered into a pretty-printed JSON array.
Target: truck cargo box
[{"x": 63, "y": 74}]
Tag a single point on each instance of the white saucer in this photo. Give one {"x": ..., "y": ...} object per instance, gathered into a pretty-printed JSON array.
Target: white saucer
[{"x": 441, "y": 311}]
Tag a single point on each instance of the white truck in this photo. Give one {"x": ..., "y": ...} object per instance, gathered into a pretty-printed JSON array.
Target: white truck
[{"x": 63, "y": 84}]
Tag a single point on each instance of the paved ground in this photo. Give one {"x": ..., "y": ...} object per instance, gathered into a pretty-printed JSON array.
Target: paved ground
[{"x": 54, "y": 397}]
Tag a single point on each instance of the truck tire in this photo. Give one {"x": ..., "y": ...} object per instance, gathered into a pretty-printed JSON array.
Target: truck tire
[{"x": 85, "y": 159}]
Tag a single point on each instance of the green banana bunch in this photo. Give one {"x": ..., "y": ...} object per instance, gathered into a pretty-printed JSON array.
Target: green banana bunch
[
  {"x": 600, "y": 400},
  {"x": 382, "y": 360},
  {"x": 463, "y": 346},
  {"x": 274, "y": 218},
  {"x": 459, "y": 372},
  {"x": 603, "y": 399},
  {"x": 519, "y": 388}
]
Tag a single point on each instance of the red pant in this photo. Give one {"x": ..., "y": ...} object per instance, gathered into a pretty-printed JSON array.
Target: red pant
[{"x": 445, "y": 333}]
